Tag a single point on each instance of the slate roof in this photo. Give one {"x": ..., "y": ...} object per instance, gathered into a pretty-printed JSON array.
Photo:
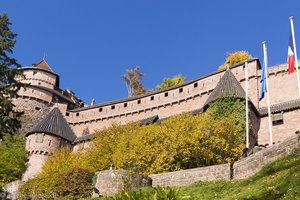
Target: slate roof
[
  {"x": 53, "y": 91},
  {"x": 43, "y": 65},
  {"x": 149, "y": 120},
  {"x": 83, "y": 138},
  {"x": 285, "y": 106},
  {"x": 197, "y": 111},
  {"x": 55, "y": 124},
  {"x": 228, "y": 86}
]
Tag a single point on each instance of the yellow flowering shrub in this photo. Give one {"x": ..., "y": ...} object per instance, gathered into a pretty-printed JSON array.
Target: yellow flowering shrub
[{"x": 233, "y": 58}]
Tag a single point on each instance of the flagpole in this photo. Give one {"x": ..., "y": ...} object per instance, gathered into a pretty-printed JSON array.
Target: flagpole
[
  {"x": 246, "y": 97},
  {"x": 267, "y": 86},
  {"x": 295, "y": 51}
]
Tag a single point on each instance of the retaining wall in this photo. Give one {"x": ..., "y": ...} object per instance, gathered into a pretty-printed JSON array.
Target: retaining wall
[
  {"x": 252, "y": 164},
  {"x": 239, "y": 170},
  {"x": 187, "y": 177}
]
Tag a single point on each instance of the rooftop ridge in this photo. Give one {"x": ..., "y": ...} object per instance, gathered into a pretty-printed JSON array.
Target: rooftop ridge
[
  {"x": 228, "y": 86},
  {"x": 43, "y": 65}
]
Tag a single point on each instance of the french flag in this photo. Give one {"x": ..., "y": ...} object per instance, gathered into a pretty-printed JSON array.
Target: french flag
[{"x": 291, "y": 56}]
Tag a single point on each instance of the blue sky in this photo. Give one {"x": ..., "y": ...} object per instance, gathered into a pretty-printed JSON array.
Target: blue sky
[{"x": 91, "y": 43}]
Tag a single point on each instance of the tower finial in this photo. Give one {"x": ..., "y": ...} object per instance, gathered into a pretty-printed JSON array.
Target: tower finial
[{"x": 44, "y": 57}]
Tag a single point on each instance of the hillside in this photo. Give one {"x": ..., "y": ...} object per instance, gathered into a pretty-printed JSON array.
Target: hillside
[{"x": 277, "y": 180}]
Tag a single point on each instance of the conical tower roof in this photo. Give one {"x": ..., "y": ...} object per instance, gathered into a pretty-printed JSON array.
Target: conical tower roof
[
  {"x": 54, "y": 124},
  {"x": 43, "y": 65},
  {"x": 228, "y": 86}
]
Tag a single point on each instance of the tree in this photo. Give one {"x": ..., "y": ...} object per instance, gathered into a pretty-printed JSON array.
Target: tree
[
  {"x": 233, "y": 58},
  {"x": 9, "y": 86},
  {"x": 169, "y": 82},
  {"x": 12, "y": 158},
  {"x": 133, "y": 82}
]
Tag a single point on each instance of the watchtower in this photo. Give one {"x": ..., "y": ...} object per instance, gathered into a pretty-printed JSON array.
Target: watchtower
[{"x": 50, "y": 134}]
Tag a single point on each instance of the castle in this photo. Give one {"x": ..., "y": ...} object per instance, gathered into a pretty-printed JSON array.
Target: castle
[{"x": 54, "y": 118}]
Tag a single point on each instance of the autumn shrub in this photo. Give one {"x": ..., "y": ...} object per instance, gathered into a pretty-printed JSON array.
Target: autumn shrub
[
  {"x": 233, "y": 58},
  {"x": 75, "y": 183},
  {"x": 180, "y": 142},
  {"x": 56, "y": 167}
]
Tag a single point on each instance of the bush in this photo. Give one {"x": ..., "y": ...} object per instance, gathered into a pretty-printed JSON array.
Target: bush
[
  {"x": 76, "y": 183},
  {"x": 54, "y": 170},
  {"x": 234, "y": 58},
  {"x": 12, "y": 158},
  {"x": 181, "y": 142}
]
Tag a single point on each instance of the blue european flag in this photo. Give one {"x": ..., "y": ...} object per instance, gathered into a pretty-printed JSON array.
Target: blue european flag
[
  {"x": 264, "y": 75},
  {"x": 263, "y": 83}
]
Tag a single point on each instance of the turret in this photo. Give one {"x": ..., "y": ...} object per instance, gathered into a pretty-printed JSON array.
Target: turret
[
  {"x": 40, "y": 94},
  {"x": 229, "y": 86},
  {"x": 50, "y": 134}
]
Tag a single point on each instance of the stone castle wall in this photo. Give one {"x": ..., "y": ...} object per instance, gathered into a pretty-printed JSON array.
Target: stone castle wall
[
  {"x": 34, "y": 110},
  {"x": 185, "y": 98},
  {"x": 189, "y": 176},
  {"x": 252, "y": 164},
  {"x": 34, "y": 165},
  {"x": 280, "y": 131}
]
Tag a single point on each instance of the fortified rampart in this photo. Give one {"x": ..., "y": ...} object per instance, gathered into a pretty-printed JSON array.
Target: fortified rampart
[
  {"x": 188, "y": 97},
  {"x": 74, "y": 124},
  {"x": 44, "y": 92},
  {"x": 191, "y": 97}
]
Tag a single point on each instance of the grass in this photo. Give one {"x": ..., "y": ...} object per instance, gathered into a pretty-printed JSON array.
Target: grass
[{"x": 277, "y": 180}]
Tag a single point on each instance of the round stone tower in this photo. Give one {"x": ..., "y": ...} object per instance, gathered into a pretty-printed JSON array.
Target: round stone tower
[
  {"x": 40, "y": 94},
  {"x": 50, "y": 134}
]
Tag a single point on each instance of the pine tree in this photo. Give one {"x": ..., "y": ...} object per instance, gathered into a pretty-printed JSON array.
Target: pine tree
[{"x": 9, "y": 70}]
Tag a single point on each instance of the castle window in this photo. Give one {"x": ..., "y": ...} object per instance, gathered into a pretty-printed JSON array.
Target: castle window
[
  {"x": 113, "y": 107},
  {"x": 277, "y": 119},
  {"x": 139, "y": 101},
  {"x": 49, "y": 142},
  {"x": 180, "y": 90},
  {"x": 152, "y": 98},
  {"x": 37, "y": 108},
  {"x": 166, "y": 94},
  {"x": 100, "y": 109},
  {"x": 195, "y": 85},
  {"x": 67, "y": 114},
  {"x": 77, "y": 114},
  {"x": 39, "y": 83},
  {"x": 39, "y": 138},
  {"x": 34, "y": 72},
  {"x": 125, "y": 105}
]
